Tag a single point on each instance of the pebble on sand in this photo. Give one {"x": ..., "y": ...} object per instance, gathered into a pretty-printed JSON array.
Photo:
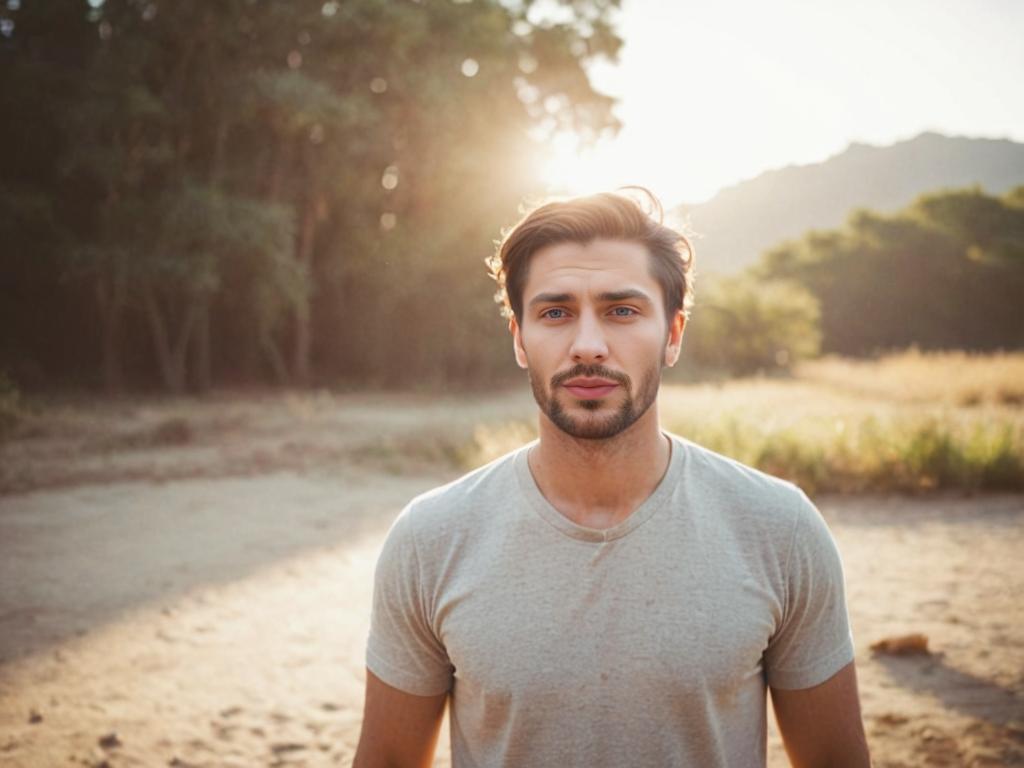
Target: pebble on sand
[
  {"x": 110, "y": 741},
  {"x": 904, "y": 645}
]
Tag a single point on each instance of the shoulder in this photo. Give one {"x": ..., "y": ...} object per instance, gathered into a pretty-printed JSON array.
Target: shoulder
[
  {"x": 727, "y": 480},
  {"x": 458, "y": 504},
  {"x": 761, "y": 510}
]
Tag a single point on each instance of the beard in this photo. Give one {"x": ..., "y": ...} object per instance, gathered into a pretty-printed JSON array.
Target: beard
[{"x": 599, "y": 426}]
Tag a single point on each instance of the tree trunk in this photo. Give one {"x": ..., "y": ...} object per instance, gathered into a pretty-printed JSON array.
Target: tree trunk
[
  {"x": 275, "y": 357},
  {"x": 201, "y": 358},
  {"x": 303, "y": 338},
  {"x": 280, "y": 164},
  {"x": 111, "y": 300},
  {"x": 113, "y": 372},
  {"x": 171, "y": 354}
]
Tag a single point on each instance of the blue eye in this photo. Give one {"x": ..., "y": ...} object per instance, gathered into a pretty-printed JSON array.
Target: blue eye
[
  {"x": 624, "y": 311},
  {"x": 553, "y": 314}
]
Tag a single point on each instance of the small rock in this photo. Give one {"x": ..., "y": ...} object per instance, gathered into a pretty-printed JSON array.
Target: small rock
[
  {"x": 34, "y": 717},
  {"x": 904, "y": 645},
  {"x": 110, "y": 741}
]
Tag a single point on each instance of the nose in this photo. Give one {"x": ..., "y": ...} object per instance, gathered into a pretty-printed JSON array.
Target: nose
[{"x": 589, "y": 344}]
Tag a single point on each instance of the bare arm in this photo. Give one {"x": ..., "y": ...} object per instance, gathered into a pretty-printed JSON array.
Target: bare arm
[
  {"x": 400, "y": 729},
  {"x": 821, "y": 726}
]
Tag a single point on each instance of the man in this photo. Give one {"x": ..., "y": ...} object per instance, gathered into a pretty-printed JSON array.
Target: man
[{"x": 609, "y": 595}]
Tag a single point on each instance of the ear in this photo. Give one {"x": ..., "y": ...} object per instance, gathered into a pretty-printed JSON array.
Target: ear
[
  {"x": 517, "y": 342},
  {"x": 675, "y": 338}
]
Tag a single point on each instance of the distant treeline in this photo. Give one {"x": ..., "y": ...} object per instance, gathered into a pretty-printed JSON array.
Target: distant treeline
[
  {"x": 945, "y": 273},
  {"x": 300, "y": 192}
]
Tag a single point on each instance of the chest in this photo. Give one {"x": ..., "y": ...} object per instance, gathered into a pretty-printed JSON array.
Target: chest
[{"x": 599, "y": 619}]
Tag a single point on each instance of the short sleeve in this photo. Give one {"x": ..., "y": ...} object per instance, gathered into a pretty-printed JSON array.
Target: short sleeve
[
  {"x": 402, "y": 649},
  {"x": 813, "y": 639}
]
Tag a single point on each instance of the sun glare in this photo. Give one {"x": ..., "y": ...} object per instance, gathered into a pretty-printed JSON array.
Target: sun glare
[{"x": 569, "y": 169}]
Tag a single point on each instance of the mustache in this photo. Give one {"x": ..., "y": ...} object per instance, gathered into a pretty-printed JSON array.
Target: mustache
[{"x": 592, "y": 371}]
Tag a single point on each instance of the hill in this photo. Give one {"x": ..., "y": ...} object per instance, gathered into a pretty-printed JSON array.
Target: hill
[{"x": 741, "y": 221}]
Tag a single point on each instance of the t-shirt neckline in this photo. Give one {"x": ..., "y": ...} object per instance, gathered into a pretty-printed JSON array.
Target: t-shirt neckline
[{"x": 564, "y": 525}]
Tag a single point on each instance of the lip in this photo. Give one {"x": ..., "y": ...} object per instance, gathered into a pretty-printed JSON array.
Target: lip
[{"x": 585, "y": 388}]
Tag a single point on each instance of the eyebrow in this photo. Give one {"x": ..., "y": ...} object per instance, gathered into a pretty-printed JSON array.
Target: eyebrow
[{"x": 561, "y": 298}]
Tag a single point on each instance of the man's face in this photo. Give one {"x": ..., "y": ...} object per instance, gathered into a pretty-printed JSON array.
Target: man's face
[{"x": 593, "y": 335}]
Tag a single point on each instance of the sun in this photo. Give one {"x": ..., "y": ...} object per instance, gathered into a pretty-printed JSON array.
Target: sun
[{"x": 568, "y": 168}]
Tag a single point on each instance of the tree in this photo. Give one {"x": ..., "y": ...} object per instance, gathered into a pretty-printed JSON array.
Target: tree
[
  {"x": 746, "y": 325},
  {"x": 945, "y": 273},
  {"x": 371, "y": 149}
]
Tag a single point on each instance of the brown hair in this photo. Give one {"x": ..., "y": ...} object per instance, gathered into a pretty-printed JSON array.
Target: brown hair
[{"x": 608, "y": 215}]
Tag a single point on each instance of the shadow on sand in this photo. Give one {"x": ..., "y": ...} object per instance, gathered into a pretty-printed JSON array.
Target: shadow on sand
[
  {"x": 959, "y": 691},
  {"x": 75, "y": 559}
]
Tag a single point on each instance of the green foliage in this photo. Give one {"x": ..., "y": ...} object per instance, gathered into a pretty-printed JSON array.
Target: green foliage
[
  {"x": 744, "y": 325},
  {"x": 286, "y": 190},
  {"x": 945, "y": 273},
  {"x": 870, "y": 454},
  {"x": 905, "y": 455}
]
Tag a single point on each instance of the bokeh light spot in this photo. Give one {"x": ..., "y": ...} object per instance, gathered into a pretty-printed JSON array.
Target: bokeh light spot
[
  {"x": 470, "y": 67},
  {"x": 527, "y": 64},
  {"x": 528, "y": 94}
]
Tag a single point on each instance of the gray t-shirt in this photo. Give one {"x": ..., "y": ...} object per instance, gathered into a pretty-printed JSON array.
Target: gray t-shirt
[{"x": 646, "y": 644}]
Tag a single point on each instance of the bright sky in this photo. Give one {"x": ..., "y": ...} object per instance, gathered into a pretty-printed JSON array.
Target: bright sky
[{"x": 713, "y": 92}]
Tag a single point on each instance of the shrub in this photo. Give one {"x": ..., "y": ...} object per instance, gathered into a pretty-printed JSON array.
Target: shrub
[{"x": 746, "y": 325}]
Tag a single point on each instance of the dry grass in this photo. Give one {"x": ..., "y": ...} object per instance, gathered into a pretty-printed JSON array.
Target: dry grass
[
  {"x": 907, "y": 423},
  {"x": 956, "y": 378}
]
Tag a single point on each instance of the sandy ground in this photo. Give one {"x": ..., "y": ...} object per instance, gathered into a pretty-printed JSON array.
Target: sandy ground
[{"x": 188, "y": 584}]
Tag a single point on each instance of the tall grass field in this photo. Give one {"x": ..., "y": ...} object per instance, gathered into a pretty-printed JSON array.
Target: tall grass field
[{"x": 912, "y": 422}]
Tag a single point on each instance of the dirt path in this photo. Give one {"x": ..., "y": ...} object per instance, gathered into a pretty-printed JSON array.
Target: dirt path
[
  {"x": 218, "y": 618},
  {"x": 205, "y": 622},
  {"x": 951, "y": 569}
]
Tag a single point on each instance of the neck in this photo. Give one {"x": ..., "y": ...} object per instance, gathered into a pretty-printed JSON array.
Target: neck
[{"x": 598, "y": 483}]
